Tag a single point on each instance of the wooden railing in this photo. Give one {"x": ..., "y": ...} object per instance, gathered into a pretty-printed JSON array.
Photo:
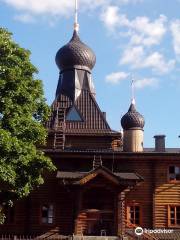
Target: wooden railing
[{"x": 32, "y": 237}]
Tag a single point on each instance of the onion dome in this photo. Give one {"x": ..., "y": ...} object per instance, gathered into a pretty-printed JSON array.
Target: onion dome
[
  {"x": 132, "y": 119},
  {"x": 75, "y": 54}
]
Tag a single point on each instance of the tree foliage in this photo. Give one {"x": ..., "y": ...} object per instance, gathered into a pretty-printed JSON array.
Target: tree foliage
[{"x": 23, "y": 110}]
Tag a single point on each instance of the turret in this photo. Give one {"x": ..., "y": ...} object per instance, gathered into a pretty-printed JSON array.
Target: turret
[{"x": 132, "y": 123}]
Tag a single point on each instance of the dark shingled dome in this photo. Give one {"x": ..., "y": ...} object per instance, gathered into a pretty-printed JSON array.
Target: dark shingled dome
[
  {"x": 132, "y": 119},
  {"x": 75, "y": 54}
]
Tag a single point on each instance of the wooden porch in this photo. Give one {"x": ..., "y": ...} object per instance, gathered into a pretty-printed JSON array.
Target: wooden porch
[{"x": 99, "y": 200}]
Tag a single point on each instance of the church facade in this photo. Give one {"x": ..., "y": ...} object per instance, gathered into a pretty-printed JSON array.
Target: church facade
[{"x": 106, "y": 182}]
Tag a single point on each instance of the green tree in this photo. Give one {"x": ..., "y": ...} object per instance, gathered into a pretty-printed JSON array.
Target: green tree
[{"x": 23, "y": 110}]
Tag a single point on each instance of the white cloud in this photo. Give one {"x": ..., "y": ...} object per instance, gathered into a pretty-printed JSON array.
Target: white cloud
[
  {"x": 142, "y": 35},
  {"x": 146, "y": 82},
  {"x": 133, "y": 55},
  {"x": 53, "y": 7},
  {"x": 157, "y": 62},
  {"x": 50, "y": 9},
  {"x": 137, "y": 58},
  {"x": 148, "y": 32},
  {"x": 116, "y": 77},
  {"x": 59, "y": 7},
  {"x": 175, "y": 29},
  {"x": 110, "y": 17},
  {"x": 25, "y": 18},
  {"x": 140, "y": 30}
]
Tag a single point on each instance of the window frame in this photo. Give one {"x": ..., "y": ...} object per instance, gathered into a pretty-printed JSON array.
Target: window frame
[
  {"x": 169, "y": 216},
  {"x": 53, "y": 216},
  {"x": 128, "y": 206},
  {"x": 168, "y": 174}
]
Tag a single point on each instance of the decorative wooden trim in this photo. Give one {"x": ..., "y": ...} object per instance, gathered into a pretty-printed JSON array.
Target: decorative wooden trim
[
  {"x": 92, "y": 175},
  {"x": 87, "y": 178},
  {"x": 121, "y": 213}
]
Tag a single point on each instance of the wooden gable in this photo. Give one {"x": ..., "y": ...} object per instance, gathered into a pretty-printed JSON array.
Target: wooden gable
[{"x": 99, "y": 172}]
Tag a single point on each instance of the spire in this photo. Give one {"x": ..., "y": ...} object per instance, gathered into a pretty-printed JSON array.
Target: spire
[
  {"x": 76, "y": 24},
  {"x": 132, "y": 91}
]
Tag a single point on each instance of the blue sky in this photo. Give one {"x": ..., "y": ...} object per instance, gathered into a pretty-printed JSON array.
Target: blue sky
[{"x": 130, "y": 37}]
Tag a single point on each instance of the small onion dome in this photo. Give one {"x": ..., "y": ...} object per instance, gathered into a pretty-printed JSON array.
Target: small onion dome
[
  {"x": 132, "y": 119},
  {"x": 75, "y": 54}
]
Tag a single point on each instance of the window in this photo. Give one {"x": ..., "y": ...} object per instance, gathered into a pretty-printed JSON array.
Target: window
[
  {"x": 174, "y": 215},
  {"x": 73, "y": 115},
  {"x": 133, "y": 214},
  {"x": 174, "y": 173},
  {"x": 47, "y": 213}
]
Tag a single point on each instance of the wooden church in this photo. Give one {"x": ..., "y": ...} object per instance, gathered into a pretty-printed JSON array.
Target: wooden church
[{"x": 106, "y": 183}]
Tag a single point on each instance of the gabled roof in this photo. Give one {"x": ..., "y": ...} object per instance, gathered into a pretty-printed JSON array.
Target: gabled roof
[
  {"x": 91, "y": 113},
  {"x": 92, "y": 118},
  {"x": 116, "y": 178},
  {"x": 99, "y": 171}
]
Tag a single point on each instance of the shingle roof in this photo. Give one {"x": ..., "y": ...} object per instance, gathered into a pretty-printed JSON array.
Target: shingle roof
[
  {"x": 79, "y": 175},
  {"x": 167, "y": 150},
  {"x": 70, "y": 175},
  {"x": 128, "y": 175}
]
